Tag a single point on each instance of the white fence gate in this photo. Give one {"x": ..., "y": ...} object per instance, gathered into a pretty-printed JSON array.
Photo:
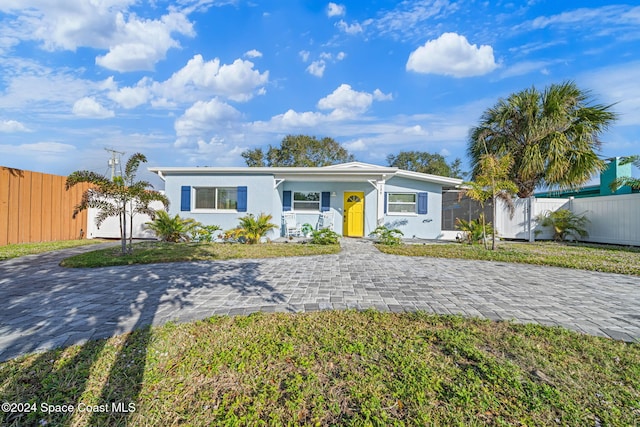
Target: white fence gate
[{"x": 613, "y": 219}]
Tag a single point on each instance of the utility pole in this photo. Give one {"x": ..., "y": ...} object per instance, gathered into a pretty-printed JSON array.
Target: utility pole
[{"x": 113, "y": 161}]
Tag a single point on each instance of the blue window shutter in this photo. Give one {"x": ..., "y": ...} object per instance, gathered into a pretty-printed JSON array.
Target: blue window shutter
[
  {"x": 185, "y": 198},
  {"x": 242, "y": 199},
  {"x": 423, "y": 199},
  {"x": 286, "y": 201},
  {"x": 325, "y": 201},
  {"x": 385, "y": 202}
]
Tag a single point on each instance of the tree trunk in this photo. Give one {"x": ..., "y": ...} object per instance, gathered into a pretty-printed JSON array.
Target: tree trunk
[
  {"x": 493, "y": 229},
  {"x": 124, "y": 227}
]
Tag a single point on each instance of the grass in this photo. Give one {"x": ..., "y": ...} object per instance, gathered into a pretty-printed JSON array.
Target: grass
[
  {"x": 154, "y": 252},
  {"x": 22, "y": 249},
  {"x": 333, "y": 368},
  {"x": 605, "y": 258}
]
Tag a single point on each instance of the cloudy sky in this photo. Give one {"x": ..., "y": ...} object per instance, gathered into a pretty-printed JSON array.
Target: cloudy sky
[{"x": 196, "y": 82}]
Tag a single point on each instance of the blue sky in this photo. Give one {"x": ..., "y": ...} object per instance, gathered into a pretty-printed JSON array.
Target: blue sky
[{"x": 196, "y": 82}]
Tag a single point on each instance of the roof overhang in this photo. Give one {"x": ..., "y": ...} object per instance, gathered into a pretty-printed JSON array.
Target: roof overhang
[{"x": 347, "y": 172}]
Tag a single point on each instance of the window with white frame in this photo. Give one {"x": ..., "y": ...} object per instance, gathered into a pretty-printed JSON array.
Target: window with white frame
[
  {"x": 306, "y": 201},
  {"x": 218, "y": 198},
  {"x": 401, "y": 203}
]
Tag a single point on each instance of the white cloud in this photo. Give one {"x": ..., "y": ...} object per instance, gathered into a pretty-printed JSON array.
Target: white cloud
[
  {"x": 131, "y": 97},
  {"x": 132, "y": 43},
  {"x": 340, "y": 56},
  {"x": 525, "y": 67},
  {"x": 90, "y": 108},
  {"x": 357, "y": 145},
  {"x": 304, "y": 55},
  {"x": 452, "y": 55},
  {"x": 336, "y": 10},
  {"x": 236, "y": 81},
  {"x": 293, "y": 119},
  {"x": 346, "y": 102},
  {"x": 37, "y": 148},
  {"x": 203, "y": 117},
  {"x": 316, "y": 68},
  {"x": 617, "y": 85},
  {"x": 253, "y": 53},
  {"x": 351, "y": 29},
  {"x": 11, "y": 126},
  {"x": 378, "y": 95}
]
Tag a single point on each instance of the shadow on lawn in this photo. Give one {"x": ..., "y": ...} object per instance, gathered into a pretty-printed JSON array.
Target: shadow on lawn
[{"x": 88, "y": 304}]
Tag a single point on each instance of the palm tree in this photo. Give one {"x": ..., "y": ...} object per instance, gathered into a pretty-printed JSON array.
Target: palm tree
[
  {"x": 120, "y": 197},
  {"x": 173, "y": 229},
  {"x": 632, "y": 182},
  {"x": 251, "y": 229},
  {"x": 552, "y": 136},
  {"x": 492, "y": 182}
]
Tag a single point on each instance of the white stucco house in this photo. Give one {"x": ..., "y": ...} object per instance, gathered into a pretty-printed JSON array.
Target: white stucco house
[{"x": 356, "y": 196}]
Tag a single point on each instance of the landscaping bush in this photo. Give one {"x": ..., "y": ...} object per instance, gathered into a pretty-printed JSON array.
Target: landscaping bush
[
  {"x": 173, "y": 229},
  {"x": 388, "y": 236},
  {"x": 325, "y": 237},
  {"x": 473, "y": 231},
  {"x": 204, "y": 233},
  {"x": 564, "y": 223},
  {"x": 251, "y": 229}
]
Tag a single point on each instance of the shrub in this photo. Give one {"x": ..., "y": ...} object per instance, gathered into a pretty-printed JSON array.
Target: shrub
[
  {"x": 388, "y": 236},
  {"x": 204, "y": 233},
  {"x": 473, "y": 231},
  {"x": 251, "y": 229},
  {"x": 173, "y": 229},
  {"x": 324, "y": 236},
  {"x": 564, "y": 223}
]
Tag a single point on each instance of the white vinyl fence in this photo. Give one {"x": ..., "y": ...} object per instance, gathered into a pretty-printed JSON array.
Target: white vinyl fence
[
  {"x": 110, "y": 228},
  {"x": 613, "y": 219}
]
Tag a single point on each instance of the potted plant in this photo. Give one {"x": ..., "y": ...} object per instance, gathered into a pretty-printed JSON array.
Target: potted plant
[{"x": 306, "y": 229}]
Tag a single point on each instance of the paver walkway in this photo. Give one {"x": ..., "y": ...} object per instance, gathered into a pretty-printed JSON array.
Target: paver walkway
[{"x": 45, "y": 306}]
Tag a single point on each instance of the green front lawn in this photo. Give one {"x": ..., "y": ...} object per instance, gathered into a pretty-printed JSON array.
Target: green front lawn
[
  {"x": 21, "y": 249},
  {"x": 153, "y": 252},
  {"x": 605, "y": 258},
  {"x": 333, "y": 368}
]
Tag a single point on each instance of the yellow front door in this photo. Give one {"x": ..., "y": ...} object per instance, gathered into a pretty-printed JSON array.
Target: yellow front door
[{"x": 353, "y": 214}]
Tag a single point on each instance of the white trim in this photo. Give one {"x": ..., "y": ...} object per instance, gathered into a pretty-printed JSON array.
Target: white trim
[{"x": 346, "y": 172}]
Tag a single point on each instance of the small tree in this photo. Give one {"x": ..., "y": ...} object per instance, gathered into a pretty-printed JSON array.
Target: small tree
[
  {"x": 123, "y": 197},
  {"x": 251, "y": 229},
  {"x": 564, "y": 223},
  {"x": 492, "y": 182},
  {"x": 173, "y": 229}
]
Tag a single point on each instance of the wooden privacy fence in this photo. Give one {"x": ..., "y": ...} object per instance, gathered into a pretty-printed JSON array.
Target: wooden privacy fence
[{"x": 35, "y": 207}]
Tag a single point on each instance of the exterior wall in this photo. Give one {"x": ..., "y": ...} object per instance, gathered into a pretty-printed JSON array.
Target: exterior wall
[
  {"x": 260, "y": 197},
  {"x": 35, "y": 207},
  {"x": 414, "y": 225},
  {"x": 336, "y": 203}
]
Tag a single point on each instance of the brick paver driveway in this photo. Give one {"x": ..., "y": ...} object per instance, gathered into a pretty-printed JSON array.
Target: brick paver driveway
[{"x": 44, "y": 305}]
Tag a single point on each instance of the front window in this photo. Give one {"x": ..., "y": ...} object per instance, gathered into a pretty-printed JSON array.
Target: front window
[
  {"x": 306, "y": 201},
  {"x": 225, "y": 198},
  {"x": 401, "y": 203}
]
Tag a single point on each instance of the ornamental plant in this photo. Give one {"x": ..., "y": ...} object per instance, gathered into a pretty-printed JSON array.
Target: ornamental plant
[
  {"x": 564, "y": 223},
  {"x": 388, "y": 236}
]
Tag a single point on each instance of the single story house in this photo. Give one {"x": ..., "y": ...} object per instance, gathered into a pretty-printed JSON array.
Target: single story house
[{"x": 357, "y": 197}]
